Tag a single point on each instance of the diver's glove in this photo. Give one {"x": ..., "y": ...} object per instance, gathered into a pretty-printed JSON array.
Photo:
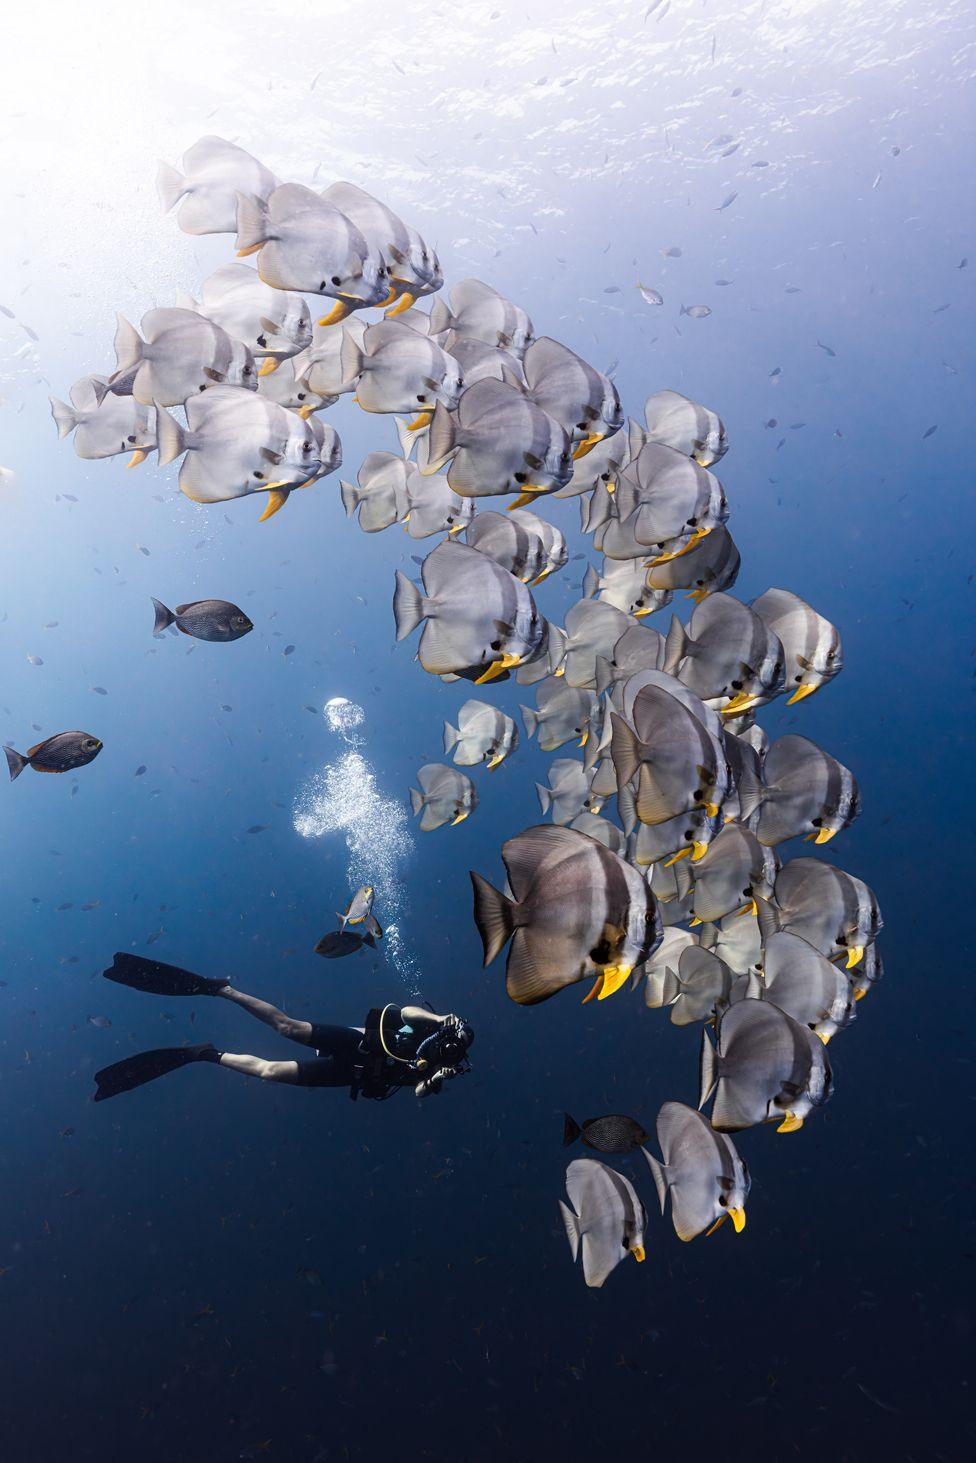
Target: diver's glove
[{"x": 435, "y": 1081}]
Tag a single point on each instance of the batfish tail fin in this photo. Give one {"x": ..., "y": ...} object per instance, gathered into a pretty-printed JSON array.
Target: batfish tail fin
[
  {"x": 494, "y": 914},
  {"x": 170, "y": 185}
]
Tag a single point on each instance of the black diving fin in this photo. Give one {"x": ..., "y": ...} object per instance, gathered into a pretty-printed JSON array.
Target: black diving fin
[
  {"x": 144, "y": 1067},
  {"x": 158, "y": 979}
]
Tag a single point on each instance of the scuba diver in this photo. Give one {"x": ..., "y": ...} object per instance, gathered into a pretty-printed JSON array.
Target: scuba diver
[{"x": 399, "y": 1046}]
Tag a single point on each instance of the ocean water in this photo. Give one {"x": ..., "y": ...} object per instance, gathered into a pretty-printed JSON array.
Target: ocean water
[{"x": 212, "y": 1268}]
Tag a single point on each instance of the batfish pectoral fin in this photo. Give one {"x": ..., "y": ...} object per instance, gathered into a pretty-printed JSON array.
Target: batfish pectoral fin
[
  {"x": 252, "y": 249},
  {"x": 402, "y": 305},
  {"x": 277, "y": 498},
  {"x": 738, "y": 1218},
  {"x": 740, "y": 702},
  {"x": 790, "y": 1124},
  {"x": 593, "y": 991},
  {"x": 824, "y": 835},
  {"x": 718, "y": 1224},
  {"x": 422, "y": 419},
  {"x": 269, "y": 364},
  {"x": 801, "y": 693},
  {"x": 614, "y": 976},
  {"x": 339, "y": 311},
  {"x": 138, "y": 457},
  {"x": 460, "y": 818},
  {"x": 854, "y": 956},
  {"x": 698, "y": 851},
  {"x": 676, "y": 858},
  {"x": 587, "y": 445},
  {"x": 522, "y": 500},
  {"x": 639, "y": 1254},
  {"x": 698, "y": 595}
]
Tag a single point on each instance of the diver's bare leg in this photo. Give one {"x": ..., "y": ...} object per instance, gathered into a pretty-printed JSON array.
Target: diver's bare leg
[
  {"x": 287, "y": 1026},
  {"x": 257, "y": 1067}
]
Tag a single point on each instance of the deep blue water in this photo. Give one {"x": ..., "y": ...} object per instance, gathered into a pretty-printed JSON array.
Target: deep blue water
[{"x": 152, "y": 1299}]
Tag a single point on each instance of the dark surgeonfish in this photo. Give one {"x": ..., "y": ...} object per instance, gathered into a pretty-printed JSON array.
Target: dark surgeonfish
[
  {"x": 481, "y": 620},
  {"x": 814, "y": 654},
  {"x": 832, "y": 910},
  {"x": 726, "y": 654},
  {"x": 701, "y": 1170},
  {"x": 498, "y": 441},
  {"x": 607, "y": 1220},
  {"x": 803, "y": 790},
  {"x": 338, "y": 943},
  {"x": 445, "y": 796},
  {"x": 804, "y": 984},
  {"x": 478, "y": 311},
  {"x": 576, "y": 911},
  {"x": 61, "y": 753},
  {"x": 204, "y": 619},
  {"x": 615, "y": 1133},
  {"x": 768, "y": 1068},
  {"x": 483, "y": 734},
  {"x": 574, "y": 392},
  {"x": 678, "y": 422}
]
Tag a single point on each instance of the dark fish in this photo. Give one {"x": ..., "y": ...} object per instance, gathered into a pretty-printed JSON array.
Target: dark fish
[
  {"x": 204, "y": 619},
  {"x": 61, "y": 753},
  {"x": 614, "y": 1133},
  {"x": 342, "y": 942}
]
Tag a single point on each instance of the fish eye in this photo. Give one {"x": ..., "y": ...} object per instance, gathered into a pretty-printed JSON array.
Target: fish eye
[
  {"x": 301, "y": 395},
  {"x": 496, "y": 645},
  {"x": 520, "y": 477},
  {"x": 421, "y": 396},
  {"x": 336, "y": 279},
  {"x": 262, "y": 341},
  {"x": 723, "y": 1201},
  {"x": 604, "y": 477},
  {"x": 737, "y": 685},
  {"x": 258, "y": 474},
  {"x": 203, "y": 387},
  {"x": 690, "y": 522}
]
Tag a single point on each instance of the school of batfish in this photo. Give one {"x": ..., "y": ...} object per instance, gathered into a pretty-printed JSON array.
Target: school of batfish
[{"x": 684, "y": 897}]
